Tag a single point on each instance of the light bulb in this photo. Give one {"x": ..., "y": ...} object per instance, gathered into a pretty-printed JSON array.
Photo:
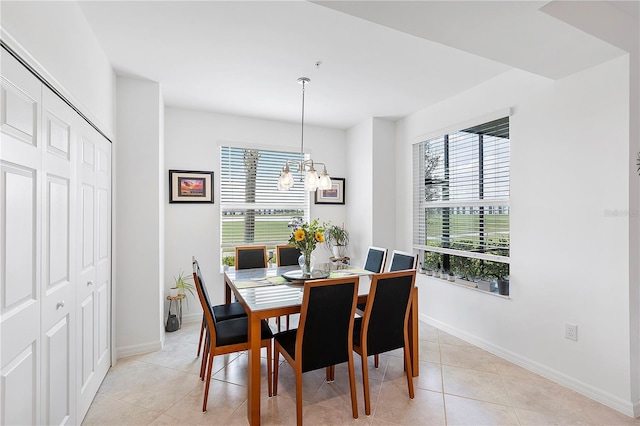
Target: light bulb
[
  {"x": 311, "y": 180},
  {"x": 325, "y": 180},
  {"x": 285, "y": 181}
]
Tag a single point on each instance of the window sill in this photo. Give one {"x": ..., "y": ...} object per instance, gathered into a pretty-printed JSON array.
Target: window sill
[{"x": 466, "y": 284}]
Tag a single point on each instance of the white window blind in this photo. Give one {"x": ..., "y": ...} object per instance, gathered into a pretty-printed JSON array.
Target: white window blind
[
  {"x": 461, "y": 192},
  {"x": 253, "y": 211}
]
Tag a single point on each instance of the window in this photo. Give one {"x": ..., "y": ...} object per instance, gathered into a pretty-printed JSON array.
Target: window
[
  {"x": 461, "y": 201},
  {"x": 253, "y": 211}
]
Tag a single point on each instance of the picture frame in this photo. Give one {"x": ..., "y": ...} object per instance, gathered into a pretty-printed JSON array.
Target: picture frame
[
  {"x": 335, "y": 195},
  {"x": 189, "y": 186}
]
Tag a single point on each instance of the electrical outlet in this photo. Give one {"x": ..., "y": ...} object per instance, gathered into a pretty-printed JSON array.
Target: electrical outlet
[{"x": 570, "y": 331}]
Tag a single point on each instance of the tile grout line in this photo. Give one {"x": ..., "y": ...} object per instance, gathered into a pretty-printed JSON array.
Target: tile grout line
[{"x": 444, "y": 401}]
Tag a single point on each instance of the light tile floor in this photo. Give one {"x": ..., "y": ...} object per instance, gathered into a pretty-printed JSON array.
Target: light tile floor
[{"x": 459, "y": 384}]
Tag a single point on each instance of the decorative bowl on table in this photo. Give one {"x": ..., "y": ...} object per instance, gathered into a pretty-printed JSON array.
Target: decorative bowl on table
[{"x": 297, "y": 275}]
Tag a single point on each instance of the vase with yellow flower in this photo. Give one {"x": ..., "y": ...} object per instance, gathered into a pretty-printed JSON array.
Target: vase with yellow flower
[{"x": 304, "y": 238}]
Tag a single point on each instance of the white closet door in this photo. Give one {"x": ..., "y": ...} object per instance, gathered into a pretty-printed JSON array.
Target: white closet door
[
  {"x": 20, "y": 232},
  {"x": 58, "y": 272},
  {"x": 94, "y": 263}
]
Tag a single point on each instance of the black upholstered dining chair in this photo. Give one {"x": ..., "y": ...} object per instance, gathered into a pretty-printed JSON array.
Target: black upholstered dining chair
[
  {"x": 248, "y": 257},
  {"x": 401, "y": 261},
  {"x": 376, "y": 258},
  {"x": 384, "y": 326},
  {"x": 375, "y": 261},
  {"x": 221, "y": 312},
  {"x": 286, "y": 255},
  {"x": 324, "y": 336},
  {"x": 223, "y": 337}
]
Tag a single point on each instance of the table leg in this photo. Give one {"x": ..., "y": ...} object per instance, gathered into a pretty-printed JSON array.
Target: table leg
[
  {"x": 227, "y": 291},
  {"x": 253, "y": 403}
]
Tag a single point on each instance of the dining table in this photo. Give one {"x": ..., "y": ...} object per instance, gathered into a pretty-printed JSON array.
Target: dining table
[{"x": 275, "y": 291}]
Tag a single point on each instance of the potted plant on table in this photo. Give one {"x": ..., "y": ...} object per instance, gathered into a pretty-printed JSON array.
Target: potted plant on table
[{"x": 337, "y": 239}]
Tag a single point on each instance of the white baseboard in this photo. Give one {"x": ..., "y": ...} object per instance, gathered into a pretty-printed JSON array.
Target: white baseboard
[
  {"x": 191, "y": 318},
  {"x": 625, "y": 407},
  {"x": 140, "y": 349}
]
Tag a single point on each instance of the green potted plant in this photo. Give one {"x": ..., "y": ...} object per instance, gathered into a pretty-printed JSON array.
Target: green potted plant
[
  {"x": 337, "y": 239},
  {"x": 183, "y": 283},
  {"x": 228, "y": 261},
  {"x": 430, "y": 262},
  {"x": 500, "y": 272}
]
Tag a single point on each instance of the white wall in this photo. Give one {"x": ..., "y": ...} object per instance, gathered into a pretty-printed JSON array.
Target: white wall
[
  {"x": 193, "y": 141},
  {"x": 57, "y": 41},
  {"x": 570, "y": 254},
  {"x": 140, "y": 207},
  {"x": 359, "y": 179},
  {"x": 384, "y": 185}
]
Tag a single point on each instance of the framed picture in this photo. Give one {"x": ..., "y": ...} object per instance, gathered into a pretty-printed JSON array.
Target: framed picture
[
  {"x": 335, "y": 195},
  {"x": 186, "y": 186}
]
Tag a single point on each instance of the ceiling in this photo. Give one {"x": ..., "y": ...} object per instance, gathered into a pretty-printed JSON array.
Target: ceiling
[{"x": 376, "y": 58}]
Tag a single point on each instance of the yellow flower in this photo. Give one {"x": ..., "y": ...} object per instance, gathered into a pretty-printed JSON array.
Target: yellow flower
[
  {"x": 320, "y": 237},
  {"x": 299, "y": 234}
]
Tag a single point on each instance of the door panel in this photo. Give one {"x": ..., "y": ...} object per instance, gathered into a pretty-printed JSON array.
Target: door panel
[
  {"x": 94, "y": 245},
  {"x": 19, "y": 233},
  {"x": 20, "y": 236},
  {"x": 58, "y": 272},
  {"x": 57, "y": 369},
  {"x": 19, "y": 377},
  {"x": 20, "y": 94},
  {"x": 87, "y": 342}
]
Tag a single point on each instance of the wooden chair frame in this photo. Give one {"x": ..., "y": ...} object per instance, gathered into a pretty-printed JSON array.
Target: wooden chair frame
[
  {"x": 403, "y": 253},
  {"x": 210, "y": 348},
  {"x": 366, "y": 316},
  {"x": 384, "y": 258},
  {"x": 241, "y": 248},
  {"x": 297, "y": 362}
]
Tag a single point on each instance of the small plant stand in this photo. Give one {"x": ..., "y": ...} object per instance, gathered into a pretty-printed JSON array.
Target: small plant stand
[
  {"x": 178, "y": 300},
  {"x": 340, "y": 260}
]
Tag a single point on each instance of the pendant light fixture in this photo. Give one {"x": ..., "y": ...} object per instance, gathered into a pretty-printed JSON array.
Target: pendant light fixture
[{"x": 311, "y": 179}]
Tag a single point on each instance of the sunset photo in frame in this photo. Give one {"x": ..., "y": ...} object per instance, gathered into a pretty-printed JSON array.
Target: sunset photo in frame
[
  {"x": 335, "y": 195},
  {"x": 187, "y": 186}
]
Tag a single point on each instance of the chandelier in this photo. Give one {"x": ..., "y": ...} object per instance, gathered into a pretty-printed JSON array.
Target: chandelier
[{"x": 311, "y": 179}]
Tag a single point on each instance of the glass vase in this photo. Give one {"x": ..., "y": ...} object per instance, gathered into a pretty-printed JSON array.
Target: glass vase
[{"x": 306, "y": 261}]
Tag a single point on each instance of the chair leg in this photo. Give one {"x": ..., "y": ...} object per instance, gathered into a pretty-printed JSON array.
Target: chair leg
[
  {"x": 206, "y": 386},
  {"x": 287, "y": 322},
  {"x": 333, "y": 373},
  {"x": 407, "y": 363},
  {"x": 278, "y": 323},
  {"x": 298, "y": 396},
  {"x": 276, "y": 361},
  {"x": 365, "y": 382},
  {"x": 376, "y": 360},
  {"x": 352, "y": 385},
  {"x": 328, "y": 374},
  {"x": 205, "y": 356},
  {"x": 269, "y": 365},
  {"x": 201, "y": 335}
]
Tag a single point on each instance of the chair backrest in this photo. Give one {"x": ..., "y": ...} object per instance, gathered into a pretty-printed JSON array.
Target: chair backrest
[
  {"x": 325, "y": 331},
  {"x": 248, "y": 257},
  {"x": 203, "y": 296},
  {"x": 387, "y": 310},
  {"x": 376, "y": 258},
  {"x": 401, "y": 261},
  {"x": 287, "y": 255}
]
